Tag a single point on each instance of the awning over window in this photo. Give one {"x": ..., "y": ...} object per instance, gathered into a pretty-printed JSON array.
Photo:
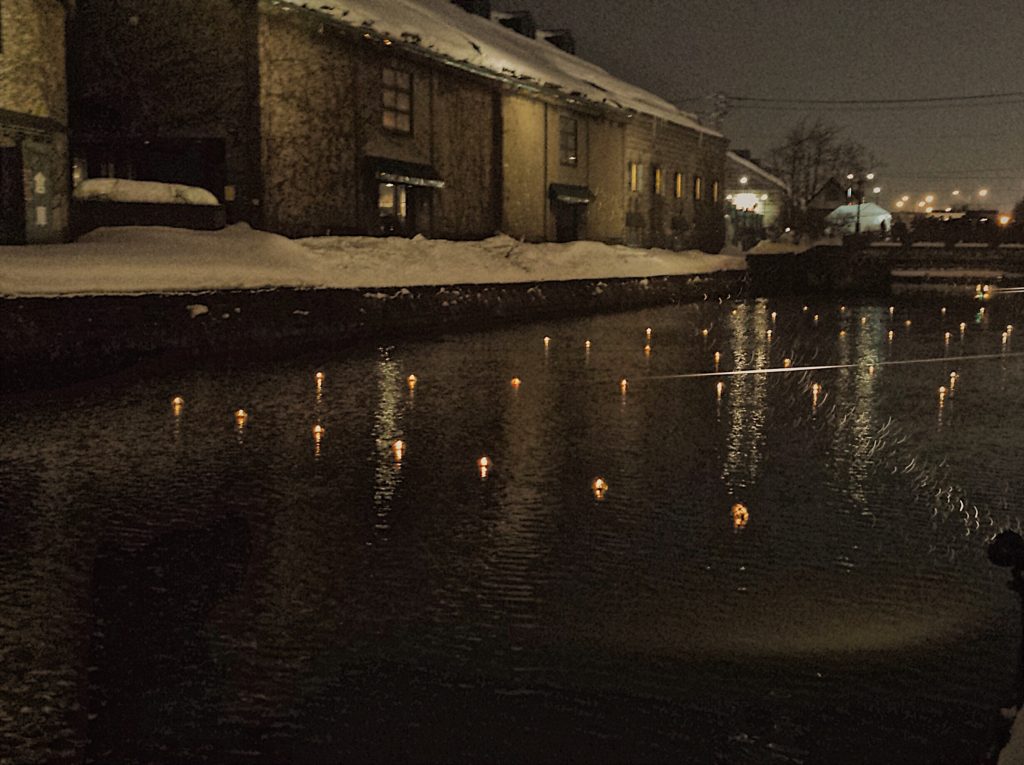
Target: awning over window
[
  {"x": 407, "y": 173},
  {"x": 570, "y": 195}
]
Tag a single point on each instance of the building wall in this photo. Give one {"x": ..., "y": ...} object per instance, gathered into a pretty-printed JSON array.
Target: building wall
[
  {"x": 662, "y": 219},
  {"x": 33, "y": 117},
  {"x": 531, "y": 162},
  {"x": 166, "y": 71},
  {"x": 771, "y": 208},
  {"x": 321, "y": 119}
]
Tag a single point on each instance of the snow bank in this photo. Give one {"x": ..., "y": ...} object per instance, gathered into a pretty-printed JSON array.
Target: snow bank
[
  {"x": 135, "y": 260},
  {"x": 151, "y": 192},
  {"x": 1013, "y": 752}
]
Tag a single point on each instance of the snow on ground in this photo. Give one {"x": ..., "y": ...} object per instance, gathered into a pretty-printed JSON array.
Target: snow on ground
[
  {"x": 767, "y": 247},
  {"x": 1013, "y": 752},
  {"x": 152, "y": 192},
  {"x": 134, "y": 260}
]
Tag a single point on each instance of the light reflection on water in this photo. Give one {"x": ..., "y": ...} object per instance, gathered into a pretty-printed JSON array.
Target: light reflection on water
[{"x": 752, "y": 558}]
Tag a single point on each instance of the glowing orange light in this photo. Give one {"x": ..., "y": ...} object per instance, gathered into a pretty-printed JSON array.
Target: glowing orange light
[
  {"x": 963, "y": 327},
  {"x": 319, "y": 376},
  {"x": 586, "y": 344},
  {"x": 704, "y": 332},
  {"x": 515, "y": 382},
  {"x": 718, "y": 358},
  {"x": 177, "y": 404},
  {"x": 907, "y": 323},
  {"x": 411, "y": 382},
  {"x": 774, "y": 316},
  {"x": 842, "y": 333},
  {"x": 647, "y": 350},
  {"x": 483, "y": 465},
  {"x": 241, "y": 416},
  {"x": 719, "y": 388},
  {"x": 398, "y": 449},
  {"x": 599, "y": 487},
  {"x": 648, "y": 333},
  {"x": 623, "y": 385},
  {"x": 942, "y": 394},
  {"x": 318, "y": 431},
  {"x": 953, "y": 377},
  {"x": 547, "y": 341},
  {"x": 787, "y": 363},
  {"x": 1004, "y": 220},
  {"x": 740, "y": 516},
  {"x": 815, "y": 393}
]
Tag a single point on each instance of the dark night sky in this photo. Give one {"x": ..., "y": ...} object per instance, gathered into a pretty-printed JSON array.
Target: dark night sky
[{"x": 870, "y": 49}]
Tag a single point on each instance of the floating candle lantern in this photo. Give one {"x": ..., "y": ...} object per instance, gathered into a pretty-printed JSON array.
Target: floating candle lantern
[
  {"x": 648, "y": 333},
  {"x": 907, "y": 323},
  {"x": 806, "y": 309},
  {"x": 718, "y": 358},
  {"x": 953, "y": 377},
  {"x": 943, "y": 311},
  {"x": 411, "y": 382},
  {"x": 842, "y": 309},
  {"x": 599, "y": 487},
  {"x": 787, "y": 363},
  {"x": 483, "y": 465},
  {"x": 947, "y": 337},
  {"x": 871, "y": 370},
  {"x": 892, "y": 310},
  {"x": 774, "y": 316},
  {"x": 241, "y": 417},
  {"x": 177, "y": 404},
  {"x": 815, "y": 318},
  {"x": 319, "y": 377},
  {"x": 891, "y": 335},
  {"x": 768, "y": 334},
  {"x": 963, "y": 327},
  {"x": 398, "y": 449},
  {"x": 318, "y": 431},
  {"x": 515, "y": 382},
  {"x": 547, "y": 341},
  {"x": 586, "y": 344},
  {"x": 719, "y": 388},
  {"x": 704, "y": 332},
  {"x": 815, "y": 392},
  {"x": 623, "y": 385},
  {"x": 942, "y": 394},
  {"x": 863, "y": 319},
  {"x": 842, "y": 333},
  {"x": 740, "y": 516},
  {"x": 647, "y": 350}
]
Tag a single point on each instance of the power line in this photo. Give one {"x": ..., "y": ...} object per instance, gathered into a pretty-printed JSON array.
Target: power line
[
  {"x": 875, "y": 101},
  {"x": 903, "y": 107}
]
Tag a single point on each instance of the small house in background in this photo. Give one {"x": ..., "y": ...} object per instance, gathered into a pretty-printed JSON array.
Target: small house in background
[
  {"x": 830, "y": 195},
  {"x": 754, "y": 197},
  {"x": 33, "y": 122}
]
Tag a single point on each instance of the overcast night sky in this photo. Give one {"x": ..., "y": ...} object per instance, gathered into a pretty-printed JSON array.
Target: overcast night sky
[{"x": 811, "y": 49}]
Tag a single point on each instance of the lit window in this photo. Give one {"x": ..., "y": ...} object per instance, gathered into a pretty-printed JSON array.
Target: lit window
[
  {"x": 714, "y": 191},
  {"x": 568, "y": 141},
  {"x": 658, "y": 181},
  {"x": 391, "y": 201},
  {"x": 679, "y": 186},
  {"x": 634, "y": 176},
  {"x": 396, "y": 99},
  {"x": 698, "y": 187}
]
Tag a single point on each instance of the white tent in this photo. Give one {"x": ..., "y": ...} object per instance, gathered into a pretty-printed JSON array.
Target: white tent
[{"x": 872, "y": 218}]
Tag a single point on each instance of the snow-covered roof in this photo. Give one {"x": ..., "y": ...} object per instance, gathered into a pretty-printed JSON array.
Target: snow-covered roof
[
  {"x": 756, "y": 168},
  {"x": 441, "y": 28}
]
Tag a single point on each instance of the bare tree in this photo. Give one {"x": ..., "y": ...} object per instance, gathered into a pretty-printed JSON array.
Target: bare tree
[{"x": 810, "y": 154}]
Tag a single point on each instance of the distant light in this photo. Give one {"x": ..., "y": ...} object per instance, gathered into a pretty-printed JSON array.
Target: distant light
[
  {"x": 849, "y": 176},
  {"x": 953, "y": 377},
  {"x": 648, "y": 333},
  {"x": 787, "y": 363},
  {"x": 920, "y": 204},
  {"x": 863, "y": 319},
  {"x": 892, "y": 310},
  {"x": 599, "y": 487},
  {"x": 949, "y": 209},
  {"x": 929, "y": 198},
  {"x": 515, "y": 382},
  {"x": 943, "y": 311},
  {"x": 647, "y": 349},
  {"x": 704, "y": 332},
  {"x": 815, "y": 392},
  {"x": 319, "y": 376},
  {"x": 586, "y": 344},
  {"x": 719, "y": 388},
  {"x": 768, "y": 334},
  {"x": 764, "y": 197},
  {"x": 241, "y": 417},
  {"x": 963, "y": 327},
  {"x": 483, "y": 465},
  {"x": 1004, "y": 220},
  {"x": 177, "y": 403},
  {"x": 929, "y": 209},
  {"x": 744, "y": 180},
  {"x": 718, "y": 357},
  {"x": 947, "y": 337},
  {"x": 983, "y": 193},
  {"x": 907, "y": 323},
  {"x": 318, "y": 431},
  {"x": 1009, "y": 329},
  {"x": 890, "y": 335},
  {"x": 942, "y": 394},
  {"x": 775, "y": 315},
  {"x": 906, "y": 197},
  {"x": 876, "y": 190},
  {"x": 842, "y": 309},
  {"x": 900, "y": 203},
  {"x": 788, "y": 229},
  {"x": 842, "y": 333},
  {"x": 956, "y": 192},
  {"x": 806, "y": 308},
  {"x": 547, "y": 341},
  {"x": 870, "y": 176}
]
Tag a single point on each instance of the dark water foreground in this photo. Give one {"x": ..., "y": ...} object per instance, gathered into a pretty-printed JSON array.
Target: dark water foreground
[{"x": 175, "y": 587}]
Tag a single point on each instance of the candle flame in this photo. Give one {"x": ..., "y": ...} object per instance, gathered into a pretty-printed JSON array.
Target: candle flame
[
  {"x": 623, "y": 385},
  {"x": 483, "y": 465},
  {"x": 411, "y": 382},
  {"x": 648, "y": 333},
  {"x": 398, "y": 448},
  {"x": 516, "y": 382},
  {"x": 740, "y": 516},
  {"x": 599, "y": 487}
]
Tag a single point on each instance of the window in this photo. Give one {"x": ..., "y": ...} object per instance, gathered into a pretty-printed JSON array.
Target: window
[
  {"x": 714, "y": 191},
  {"x": 659, "y": 181},
  {"x": 634, "y": 176},
  {"x": 698, "y": 187},
  {"x": 568, "y": 141},
  {"x": 679, "y": 186},
  {"x": 391, "y": 202},
  {"x": 396, "y": 98}
]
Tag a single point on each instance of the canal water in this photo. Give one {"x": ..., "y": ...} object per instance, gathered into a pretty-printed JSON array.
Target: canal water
[{"x": 786, "y": 565}]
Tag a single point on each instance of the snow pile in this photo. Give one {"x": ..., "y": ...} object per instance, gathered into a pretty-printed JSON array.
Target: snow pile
[
  {"x": 444, "y": 29},
  {"x": 767, "y": 247},
  {"x": 135, "y": 260},
  {"x": 872, "y": 217},
  {"x": 150, "y": 192},
  {"x": 1013, "y": 752}
]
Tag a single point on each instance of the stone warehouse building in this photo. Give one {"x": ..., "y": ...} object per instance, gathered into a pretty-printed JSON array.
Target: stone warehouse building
[
  {"x": 755, "y": 198},
  {"x": 34, "y": 182},
  {"x": 384, "y": 116}
]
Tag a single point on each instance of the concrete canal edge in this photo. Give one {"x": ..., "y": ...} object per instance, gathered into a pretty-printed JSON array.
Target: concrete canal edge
[{"x": 46, "y": 342}]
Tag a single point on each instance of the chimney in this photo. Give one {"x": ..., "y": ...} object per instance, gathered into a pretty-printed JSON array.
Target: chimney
[
  {"x": 476, "y": 7},
  {"x": 560, "y": 38},
  {"x": 520, "y": 22}
]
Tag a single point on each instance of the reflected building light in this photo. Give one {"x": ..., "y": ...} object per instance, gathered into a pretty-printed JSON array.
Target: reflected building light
[
  {"x": 740, "y": 516},
  {"x": 483, "y": 465},
  {"x": 600, "y": 487}
]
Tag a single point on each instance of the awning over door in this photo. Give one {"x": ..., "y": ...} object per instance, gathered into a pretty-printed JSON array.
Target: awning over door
[
  {"x": 570, "y": 195},
  {"x": 407, "y": 173}
]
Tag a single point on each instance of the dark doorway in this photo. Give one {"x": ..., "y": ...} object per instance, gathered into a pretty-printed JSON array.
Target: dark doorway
[
  {"x": 570, "y": 220},
  {"x": 12, "y": 196}
]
